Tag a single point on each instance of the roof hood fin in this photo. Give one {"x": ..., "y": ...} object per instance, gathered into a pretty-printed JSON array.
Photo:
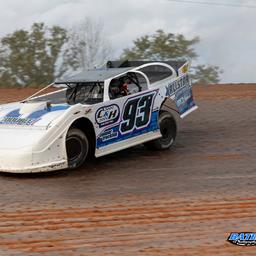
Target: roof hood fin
[{"x": 29, "y": 107}]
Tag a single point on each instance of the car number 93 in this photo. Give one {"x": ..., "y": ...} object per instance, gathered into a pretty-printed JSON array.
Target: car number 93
[{"x": 137, "y": 113}]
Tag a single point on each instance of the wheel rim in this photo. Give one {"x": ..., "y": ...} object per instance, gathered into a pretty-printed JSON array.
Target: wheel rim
[
  {"x": 74, "y": 148},
  {"x": 167, "y": 131}
]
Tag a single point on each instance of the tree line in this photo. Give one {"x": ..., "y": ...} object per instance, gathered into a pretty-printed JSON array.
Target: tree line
[{"x": 41, "y": 54}]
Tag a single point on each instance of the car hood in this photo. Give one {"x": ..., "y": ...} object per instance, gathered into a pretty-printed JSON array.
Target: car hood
[
  {"x": 20, "y": 138},
  {"x": 30, "y": 115}
]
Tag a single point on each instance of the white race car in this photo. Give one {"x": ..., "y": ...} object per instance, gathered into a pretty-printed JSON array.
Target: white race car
[{"x": 96, "y": 112}]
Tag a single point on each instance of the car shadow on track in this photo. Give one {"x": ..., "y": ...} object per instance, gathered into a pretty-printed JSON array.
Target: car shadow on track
[
  {"x": 187, "y": 140},
  {"x": 93, "y": 164},
  {"x": 129, "y": 157}
]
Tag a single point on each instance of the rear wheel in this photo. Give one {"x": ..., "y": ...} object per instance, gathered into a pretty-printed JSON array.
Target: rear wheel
[
  {"x": 77, "y": 147},
  {"x": 168, "y": 130}
]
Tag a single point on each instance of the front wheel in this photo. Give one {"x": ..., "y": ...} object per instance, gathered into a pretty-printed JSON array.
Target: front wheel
[
  {"x": 168, "y": 130},
  {"x": 77, "y": 147}
]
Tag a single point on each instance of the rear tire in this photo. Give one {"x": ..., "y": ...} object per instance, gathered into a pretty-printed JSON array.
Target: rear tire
[
  {"x": 168, "y": 129},
  {"x": 77, "y": 148}
]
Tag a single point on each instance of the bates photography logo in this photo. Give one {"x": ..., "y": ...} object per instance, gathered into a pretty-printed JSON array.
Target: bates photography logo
[{"x": 243, "y": 239}]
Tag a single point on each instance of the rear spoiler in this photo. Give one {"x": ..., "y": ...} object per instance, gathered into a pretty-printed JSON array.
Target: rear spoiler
[{"x": 176, "y": 64}]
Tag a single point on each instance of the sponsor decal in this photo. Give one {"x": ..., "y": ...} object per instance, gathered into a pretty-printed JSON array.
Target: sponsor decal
[
  {"x": 107, "y": 115},
  {"x": 184, "y": 99},
  {"x": 18, "y": 121},
  {"x": 108, "y": 135},
  {"x": 15, "y": 118},
  {"x": 181, "y": 89},
  {"x": 243, "y": 239},
  {"x": 173, "y": 87}
]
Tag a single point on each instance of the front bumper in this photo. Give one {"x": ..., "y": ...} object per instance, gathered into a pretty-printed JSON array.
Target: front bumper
[
  {"x": 36, "y": 169},
  {"x": 25, "y": 160}
]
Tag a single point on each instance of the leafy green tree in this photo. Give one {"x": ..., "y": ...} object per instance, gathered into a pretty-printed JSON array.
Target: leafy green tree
[
  {"x": 161, "y": 46},
  {"x": 164, "y": 46},
  {"x": 206, "y": 74},
  {"x": 29, "y": 58}
]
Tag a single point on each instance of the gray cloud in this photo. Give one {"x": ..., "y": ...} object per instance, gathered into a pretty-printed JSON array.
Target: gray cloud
[{"x": 227, "y": 34}]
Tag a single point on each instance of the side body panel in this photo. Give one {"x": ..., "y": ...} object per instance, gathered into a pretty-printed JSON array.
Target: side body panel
[
  {"x": 133, "y": 119},
  {"x": 126, "y": 121}
]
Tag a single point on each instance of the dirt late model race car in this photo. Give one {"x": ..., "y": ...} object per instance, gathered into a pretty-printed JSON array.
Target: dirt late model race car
[{"x": 96, "y": 112}]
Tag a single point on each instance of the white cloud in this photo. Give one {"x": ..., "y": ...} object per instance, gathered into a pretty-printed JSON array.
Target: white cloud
[{"x": 227, "y": 34}]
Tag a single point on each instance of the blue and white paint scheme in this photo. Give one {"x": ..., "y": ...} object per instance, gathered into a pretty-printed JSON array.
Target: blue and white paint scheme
[
  {"x": 31, "y": 114},
  {"x": 33, "y": 132}
]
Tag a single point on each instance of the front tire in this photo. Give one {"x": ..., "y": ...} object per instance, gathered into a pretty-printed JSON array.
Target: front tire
[
  {"x": 168, "y": 129},
  {"x": 77, "y": 148}
]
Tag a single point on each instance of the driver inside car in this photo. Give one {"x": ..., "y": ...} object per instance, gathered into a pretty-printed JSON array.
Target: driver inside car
[
  {"x": 124, "y": 87},
  {"x": 120, "y": 88}
]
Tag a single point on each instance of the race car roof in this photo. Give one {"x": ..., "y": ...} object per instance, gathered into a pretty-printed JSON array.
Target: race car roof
[
  {"x": 94, "y": 75},
  {"x": 176, "y": 64},
  {"x": 111, "y": 69}
]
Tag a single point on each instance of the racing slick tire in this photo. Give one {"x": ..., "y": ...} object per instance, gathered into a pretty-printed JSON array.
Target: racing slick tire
[
  {"x": 77, "y": 147},
  {"x": 168, "y": 129}
]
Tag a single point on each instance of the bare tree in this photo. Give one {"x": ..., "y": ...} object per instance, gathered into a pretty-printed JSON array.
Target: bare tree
[{"x": 87, "y": 46}]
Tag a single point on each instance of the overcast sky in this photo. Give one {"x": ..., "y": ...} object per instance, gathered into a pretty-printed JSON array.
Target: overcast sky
[{"x": 228, "y": 34}]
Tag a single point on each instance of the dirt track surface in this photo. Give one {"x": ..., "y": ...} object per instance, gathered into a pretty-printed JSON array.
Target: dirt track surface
[{"x": 184, "y": 201}]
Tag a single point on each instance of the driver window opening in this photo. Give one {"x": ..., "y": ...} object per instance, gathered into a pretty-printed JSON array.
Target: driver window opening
[{"x": 127, "y": 84}]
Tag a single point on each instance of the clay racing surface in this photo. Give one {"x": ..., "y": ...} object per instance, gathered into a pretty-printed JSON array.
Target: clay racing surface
[{"x": 184, "y": 201}]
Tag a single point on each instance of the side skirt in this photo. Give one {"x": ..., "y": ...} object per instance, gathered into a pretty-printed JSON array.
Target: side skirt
[{"x": 127, "y": 143}]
